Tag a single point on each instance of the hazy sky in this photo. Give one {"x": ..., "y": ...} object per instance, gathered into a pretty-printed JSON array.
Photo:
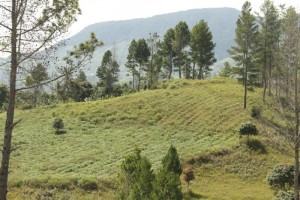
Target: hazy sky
[{"x": 94, "y": 11}]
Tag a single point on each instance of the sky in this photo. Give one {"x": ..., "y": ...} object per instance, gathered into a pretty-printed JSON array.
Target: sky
[{"x": 94, "y": 11}]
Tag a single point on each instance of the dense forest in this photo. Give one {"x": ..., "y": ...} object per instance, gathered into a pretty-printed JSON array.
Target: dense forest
[{"x": 266, "y": 59}]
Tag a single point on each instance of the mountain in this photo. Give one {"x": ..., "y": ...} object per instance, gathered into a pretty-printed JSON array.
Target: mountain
[{"x": 119, "y": 34}]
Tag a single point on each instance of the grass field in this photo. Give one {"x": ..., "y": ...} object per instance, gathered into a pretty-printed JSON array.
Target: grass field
[{"x": 200, "y": 118}]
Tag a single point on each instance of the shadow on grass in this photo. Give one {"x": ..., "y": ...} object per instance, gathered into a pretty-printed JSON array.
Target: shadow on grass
[
  {"x": 191, "y": 195},
  {"x": 256, "y": 145},
  {"x": 60, "y": 132}
]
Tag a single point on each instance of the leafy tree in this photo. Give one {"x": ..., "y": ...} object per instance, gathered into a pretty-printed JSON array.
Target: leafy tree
[
  {"x": 167, "y": 52},
  {"x": 246, "y": 40},
  {"x": 202, "y": 48},
  {"x": 270, "y": 33},
  {"x": 167, "y": 184},
  {"x": 3, "y": 94},
  {"x": 131, "y": 63},
  {"x": 287, "y": 97},
  {"x": 281, "y": 177},
  {"x": 142, "y": 55},
  {"x": 81, "y": 77},
  {"x": 108, "y": 72},
  {"x": 80, "y": 56},
  {"x": 38, "y": 74},
  {"x": 248, "y": 129},
  {"x": 171, "y": 162},
  {"x": 58, "y": 124},
  {"x": 26, "y": 28},
  {"x": 137, "y": 177},
  {"x": 227, "y": 70},
  {"x": 154, "y": 64},
  {"x": 181, "y": 41}
]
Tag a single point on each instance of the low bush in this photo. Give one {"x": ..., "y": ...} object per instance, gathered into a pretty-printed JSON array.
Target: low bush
[{"x": 87, "y": 184}]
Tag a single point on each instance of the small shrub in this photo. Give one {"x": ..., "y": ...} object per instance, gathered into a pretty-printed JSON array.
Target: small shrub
[
  {"x": 87, "y": 184},
  {"x": 248, "y": 129},
  {"x": 58, "y": 124},
  {"x": 26, "y": 107},
  {"x": 45, "y": 195},
  {"x": 283, "y": 195},
  {"x": 281, "y": 177},
  {"x": 255, "y": 112}
]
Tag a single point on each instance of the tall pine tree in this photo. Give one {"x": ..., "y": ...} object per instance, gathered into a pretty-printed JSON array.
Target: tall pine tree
[
  {"x": 246, "y": 43},
  {"x": 202, "y": 48}
]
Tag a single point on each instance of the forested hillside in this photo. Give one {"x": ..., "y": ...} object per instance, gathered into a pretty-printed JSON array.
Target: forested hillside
[{"x": 119, "y": 34}]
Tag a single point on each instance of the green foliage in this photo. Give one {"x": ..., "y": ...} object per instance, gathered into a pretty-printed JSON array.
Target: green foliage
[
  {"x": 202, "y": 48},
  {"x": 137, "y": 177},
  {"x": 81, "y": 77},
  {"x": 167, "y": 53},
  {"x": 227, "y": 70},
  {"x": 167, "y": 186},
  {"x": 246, "y": 39},
  {"x": 281, "y": 177},
  {"x": 108, "y": 72},
  {"x": 58, "y": 124},
  {"x": 171, "y": 162},
  {"x": 284, "y": 195},
  {"x": 255, "y": 111},
  {"x": 248, "y": 129},
  {"x": 87, "y": 184},
  {"x": 3, "y": 94},
  {"x": 181, "y": 40}
]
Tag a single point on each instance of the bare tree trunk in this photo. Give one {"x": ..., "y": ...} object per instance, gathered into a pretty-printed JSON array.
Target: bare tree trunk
[
  {"x": 296, "y": 175},
  {"x": 296, "y": 139},
  {"x": 270, "y": 77},
  {"x": 11, "y": 108}
]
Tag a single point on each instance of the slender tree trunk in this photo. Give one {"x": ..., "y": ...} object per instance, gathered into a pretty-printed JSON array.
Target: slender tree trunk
[
  {"x": 265, "y": 86},
  {"x": 170, "y": 66},
  {"x": 245, "y": 84},
  {"x": 11, "y": 108},
  {"x": 179, "y": 70},
  {"x": 296, "y": 175},
  {"x": 194, "y": 64},
  {"x": 270, "y": 77}
]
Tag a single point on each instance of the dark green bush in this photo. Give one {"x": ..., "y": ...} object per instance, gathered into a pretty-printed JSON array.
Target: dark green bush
[
  {"x": 281, "y": 177},
  {"x": 87, "y": 184},
  {"x": 248, "y": 129},
  {"x": 58, "y": 124},
  {"x": 26, "y": 107}
]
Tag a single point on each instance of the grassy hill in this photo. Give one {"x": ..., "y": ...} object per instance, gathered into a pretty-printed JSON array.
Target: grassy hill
[{"x": 200, "y": 118}]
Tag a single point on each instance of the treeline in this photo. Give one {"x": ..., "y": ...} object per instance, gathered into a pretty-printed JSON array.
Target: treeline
[
  {"x": 266, "y": 48},
  {"x": 180, "y": 53},
  {"x": 267, "y": 54}
]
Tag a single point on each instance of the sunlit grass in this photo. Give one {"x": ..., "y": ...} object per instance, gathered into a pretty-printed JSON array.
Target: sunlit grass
[{"x": 194, "y": 116}]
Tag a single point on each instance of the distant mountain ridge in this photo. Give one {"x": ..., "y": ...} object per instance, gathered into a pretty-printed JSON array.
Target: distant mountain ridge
[{"x": 119, "y": 34}]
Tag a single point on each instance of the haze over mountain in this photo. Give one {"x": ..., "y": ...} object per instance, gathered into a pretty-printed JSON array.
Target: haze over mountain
[{"x": 119, "y": 34}]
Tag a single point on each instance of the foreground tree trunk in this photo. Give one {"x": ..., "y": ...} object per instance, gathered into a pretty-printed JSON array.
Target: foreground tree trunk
[{"x": 9, "y": 125}]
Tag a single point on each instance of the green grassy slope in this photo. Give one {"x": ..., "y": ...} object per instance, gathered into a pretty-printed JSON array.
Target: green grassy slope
[{"x": 199, "y": 118}]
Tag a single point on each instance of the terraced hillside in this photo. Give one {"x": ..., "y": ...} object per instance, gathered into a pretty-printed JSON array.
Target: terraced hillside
[{"x": 200, "y": 118}]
